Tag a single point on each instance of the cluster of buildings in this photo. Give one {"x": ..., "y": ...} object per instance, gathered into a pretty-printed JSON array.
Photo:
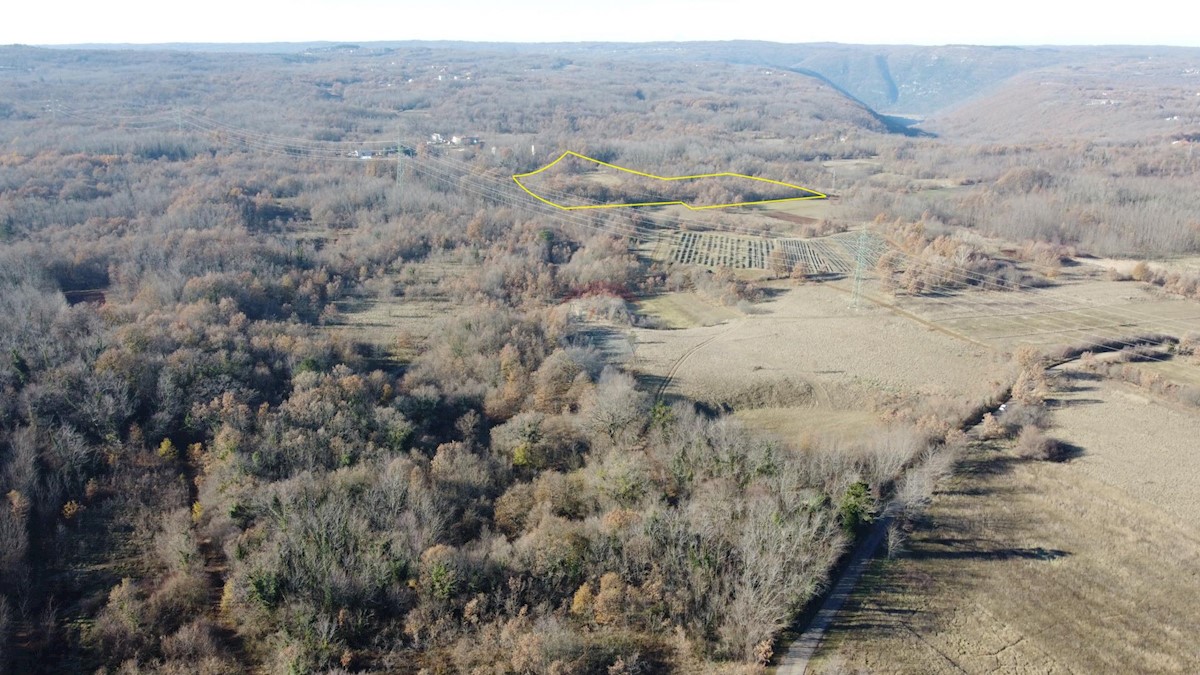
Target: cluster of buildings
[{"x": 438, "y": 139}]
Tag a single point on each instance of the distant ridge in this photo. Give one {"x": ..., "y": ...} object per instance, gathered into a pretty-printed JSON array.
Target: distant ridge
[{"x": 888, "y": 79}]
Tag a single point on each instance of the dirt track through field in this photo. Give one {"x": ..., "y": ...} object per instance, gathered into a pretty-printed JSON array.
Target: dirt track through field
[
  {"x": 795, "y": 660},
  {"x": 666, "y": 382}
]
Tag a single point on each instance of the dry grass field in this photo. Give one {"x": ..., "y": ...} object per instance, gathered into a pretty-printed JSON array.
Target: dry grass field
[
  {"x": 1089, "y": 566},
  {"x": 815, "y": 209},
  {"x": 1134, "y": 441},
  {"x": 1126, "y": 265},
  {"x": 1078, "y": 309},
  {"x": 380, "y": 321},
  {"x": 684, "y": 310},
  {"x": 1179, "y": 371},
  {"x": 798, "y": 424},
  {"x": 809, "y": 332},
  {"x": 780, "y": 219},
  {"x": 853, "y": 359}
]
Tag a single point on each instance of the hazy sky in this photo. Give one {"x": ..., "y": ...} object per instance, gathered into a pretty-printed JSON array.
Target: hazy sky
[{"x": 1167, "y": 22}]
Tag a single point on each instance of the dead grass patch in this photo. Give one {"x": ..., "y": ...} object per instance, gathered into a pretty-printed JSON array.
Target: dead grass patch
[
  {"x": 684, "y": 310},
  {"x": 801, "y": 426}
]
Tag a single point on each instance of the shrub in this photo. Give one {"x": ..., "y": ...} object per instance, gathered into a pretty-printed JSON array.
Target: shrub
[
  {"x": 990, "y": 428},
  {"x": 194, "y": 641},
  {"x": 1017, "y": 416},
  {"x": 856, "y": 507},
  {"x": 1032, "y": 443}
]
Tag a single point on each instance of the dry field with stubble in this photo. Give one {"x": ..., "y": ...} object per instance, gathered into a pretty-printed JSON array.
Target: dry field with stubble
[
  {"x": 1078, "y": 309},
  {"x": 809, "y": 332},
  {"x": 1134, "y": 441},
  {"x": 855, "y": 360},
  {"x": 1088, "y": 566}
]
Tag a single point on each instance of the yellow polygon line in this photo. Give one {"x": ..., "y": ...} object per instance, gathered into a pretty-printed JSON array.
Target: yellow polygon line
[{"x": 517, "y": 179}]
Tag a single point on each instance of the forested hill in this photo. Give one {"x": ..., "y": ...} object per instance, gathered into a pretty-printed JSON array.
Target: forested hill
[
  {"x": 918, "y": 80},
  {"x": 571, "y": 101},
  {"x": 897, "y": 79}
]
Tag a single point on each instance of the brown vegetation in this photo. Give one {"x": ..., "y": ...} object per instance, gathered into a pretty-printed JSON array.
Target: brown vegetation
[{"x": 207, "y": 467}]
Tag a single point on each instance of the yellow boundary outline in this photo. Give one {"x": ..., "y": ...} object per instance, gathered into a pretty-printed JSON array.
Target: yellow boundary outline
[{"x": 570, "y": 153}]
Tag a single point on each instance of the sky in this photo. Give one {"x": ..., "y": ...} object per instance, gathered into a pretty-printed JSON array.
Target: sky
[{"x": 924, "y": 22}]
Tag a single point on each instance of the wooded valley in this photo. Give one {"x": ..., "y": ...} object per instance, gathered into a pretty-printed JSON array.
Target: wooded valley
[{"x": 220, "y": 452}]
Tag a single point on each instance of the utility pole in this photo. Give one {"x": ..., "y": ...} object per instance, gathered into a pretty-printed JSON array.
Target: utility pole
[
  {"x": 399, "y": 163},
  {"x": 178, "y": 121},
  {"x": 860, "y": 262}
]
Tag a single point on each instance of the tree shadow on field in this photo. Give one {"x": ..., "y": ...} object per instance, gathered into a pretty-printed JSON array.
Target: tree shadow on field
[
  {"x": 975, "y": 472},
  {"x": 1071, "y": 402},
  {"x": 1075, "y": 381},
  {"x": 988, "y": 463},
  {"x": 950, "y": 548},
  {"x": 652, "y": 383},
  {"x": 770, "y": 293},
  {"x": 1065, "y": 452},
  {"x": 878, "y": 604},
  {"x": 977, "y": 527}
]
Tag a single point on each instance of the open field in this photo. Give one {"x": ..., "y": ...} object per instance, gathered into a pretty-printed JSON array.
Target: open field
[
  {"x": 798, "y": 424},
  {"x": 781, "y": 218},
  {"x": 809, "y": 333},
  {"x": 1133, "y": 441},
  {"x": 1022, "y": 566},
  {"x": 379, "y": 321},
  {"x": 684, "y": 310},
  {"x": 815, "y": 208},
  {"x": 1177, "y": 370},
  {"x": 854, "y": 361},
  {"x": 1126, "y": 265},
  {"x": 865, "y": 166},
  {"x": 1079, "y": 309},
  {"x": 1088, "y": 566}
]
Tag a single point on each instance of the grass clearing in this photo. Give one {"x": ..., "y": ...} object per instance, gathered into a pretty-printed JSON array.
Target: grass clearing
[
  {"x": 780, "y": 219},
  {"x": 809, "y": 333},
  {"x": 396, "y": 325},
  {"x": 817, "y": 209},
  {"x": 799, "y": 425},
  {"x": 1126, "y": 266},
  {"x": 685, "y": 310},
  {"x": 1180, "y": 370}
]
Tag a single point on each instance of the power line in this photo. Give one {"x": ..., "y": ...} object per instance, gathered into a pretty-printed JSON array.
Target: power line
[{"x": 859, "y": 263}]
